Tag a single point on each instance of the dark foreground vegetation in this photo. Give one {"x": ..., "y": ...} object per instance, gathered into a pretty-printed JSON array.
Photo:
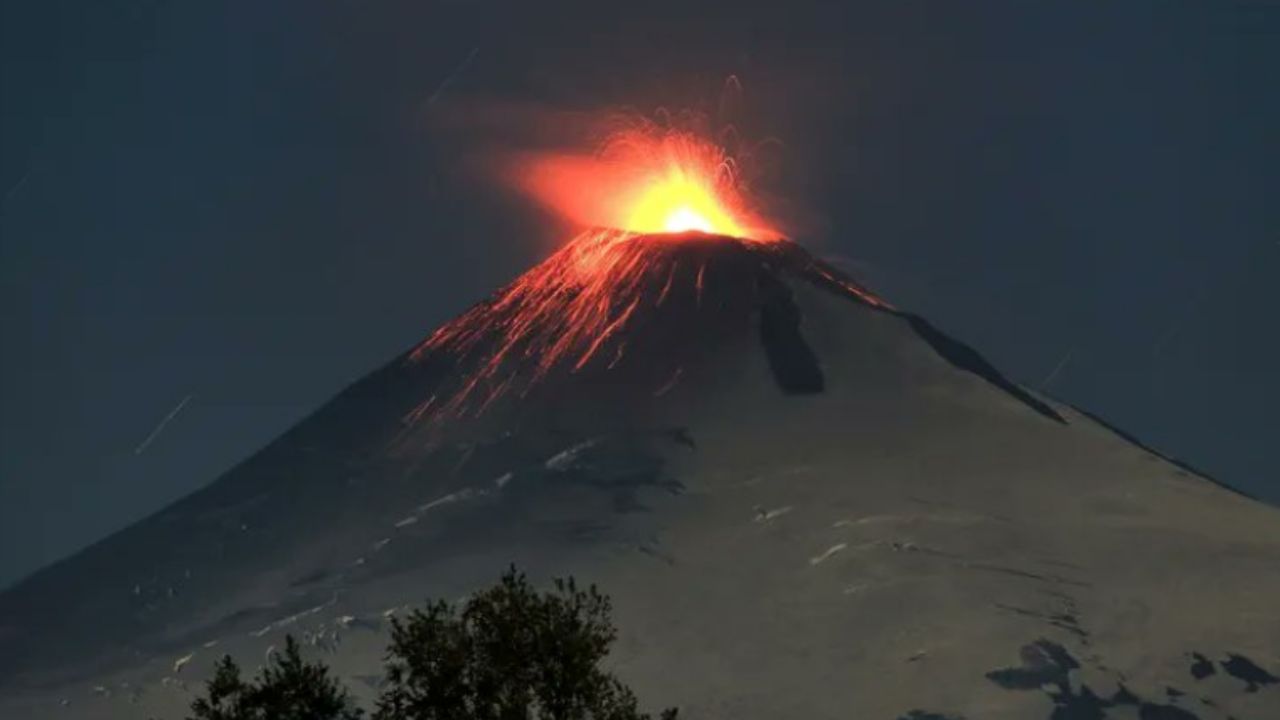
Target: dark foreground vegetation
[{"x": 507, "y": 653}]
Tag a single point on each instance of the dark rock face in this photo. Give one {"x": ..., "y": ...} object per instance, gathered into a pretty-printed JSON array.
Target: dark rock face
[
  {"x": 966, "y": 358},
  {"x": 1047, "y": 666},
  {"x": 1242, "y": 668},
  {"x": 1201, "y": 668},
  {"x": 794, "y": 365},
  {"x": 1043, "y": 663}
]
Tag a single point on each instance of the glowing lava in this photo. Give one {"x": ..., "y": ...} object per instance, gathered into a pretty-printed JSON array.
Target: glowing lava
[
  {"x": 645, "y": 180},
  {"x": 686, "y": 218},
  {"x": 560, "y": 313},
  {"x": 680, "y": 199},
  {"x": 573, "y": 308}
]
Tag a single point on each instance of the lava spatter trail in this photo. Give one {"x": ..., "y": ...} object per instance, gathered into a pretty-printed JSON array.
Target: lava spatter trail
[
  {"x": 562, "y": 312},
  {"x": 575, "y": 309},
  {"x": 563, "y": 309},
  {"x": 662, "y": 203}
]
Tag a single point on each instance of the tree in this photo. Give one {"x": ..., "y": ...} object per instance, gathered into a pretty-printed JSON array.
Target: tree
[
  {"x": 287, "y": 689},
  {"x": 510, "y": 653},
  {"x": 225, "y": 694}
]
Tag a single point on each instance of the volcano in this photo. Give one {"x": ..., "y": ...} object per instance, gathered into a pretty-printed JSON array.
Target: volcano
[{"x": 804, "y": 502}]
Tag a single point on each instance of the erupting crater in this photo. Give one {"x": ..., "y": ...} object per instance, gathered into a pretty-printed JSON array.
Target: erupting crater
[
  {"x": 587, "y": 306},
  {"x": 673, "y": 235}
]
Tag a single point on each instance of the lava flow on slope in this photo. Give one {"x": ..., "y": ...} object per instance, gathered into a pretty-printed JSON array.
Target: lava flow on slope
[{"x": 661, "y": 204}]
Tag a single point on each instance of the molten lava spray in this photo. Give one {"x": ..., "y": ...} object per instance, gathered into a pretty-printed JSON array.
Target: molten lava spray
[{"x": 646, "y": 182}]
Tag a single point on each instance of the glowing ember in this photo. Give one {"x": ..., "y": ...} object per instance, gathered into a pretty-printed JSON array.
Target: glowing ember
[
  {"x": 686, "y": 218},
  {"x": 680, "y": 198},
  {"x": 646, "y": 180},
  {"x": 573, "y": 307},
  {"x": 560, "y": 312}
]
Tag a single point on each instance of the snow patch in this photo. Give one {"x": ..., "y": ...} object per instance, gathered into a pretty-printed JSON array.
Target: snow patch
[
  {"x": 763, "y": 516},
  {"x": 453, "y": 497},
  {"x": 827, "y": 553},
  {"x": 564, "y": 460}
]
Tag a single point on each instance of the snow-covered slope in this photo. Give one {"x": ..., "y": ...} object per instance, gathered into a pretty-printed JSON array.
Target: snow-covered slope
[{"x": 803, "y": 502}]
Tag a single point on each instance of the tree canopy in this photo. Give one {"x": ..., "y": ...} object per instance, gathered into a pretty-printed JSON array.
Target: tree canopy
[
  {"x": 288, "y": 688},
  {"x": 508, "y": 652}
]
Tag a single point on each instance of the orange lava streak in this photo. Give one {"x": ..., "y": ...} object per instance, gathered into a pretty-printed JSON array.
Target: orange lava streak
[{"x": 562, "y": 311}]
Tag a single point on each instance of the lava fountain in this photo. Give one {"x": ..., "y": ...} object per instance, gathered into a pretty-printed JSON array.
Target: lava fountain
[
  {"x": 646, "y": 181},
  {"x": 646, "y": 190}
]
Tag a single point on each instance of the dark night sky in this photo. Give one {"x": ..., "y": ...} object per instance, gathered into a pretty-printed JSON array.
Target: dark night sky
[{"x": 244, "y": 202}]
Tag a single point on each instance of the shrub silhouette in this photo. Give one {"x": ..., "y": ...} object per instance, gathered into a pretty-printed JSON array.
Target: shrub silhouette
[
  {"x": 287, "y": 689},
  {"x": 510, "y": 653}
]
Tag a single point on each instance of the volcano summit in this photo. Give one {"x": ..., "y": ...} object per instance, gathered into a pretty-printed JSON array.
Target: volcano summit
[
  {"x": 804, "y": 503},
  {"x": 609, "y": 292}
]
